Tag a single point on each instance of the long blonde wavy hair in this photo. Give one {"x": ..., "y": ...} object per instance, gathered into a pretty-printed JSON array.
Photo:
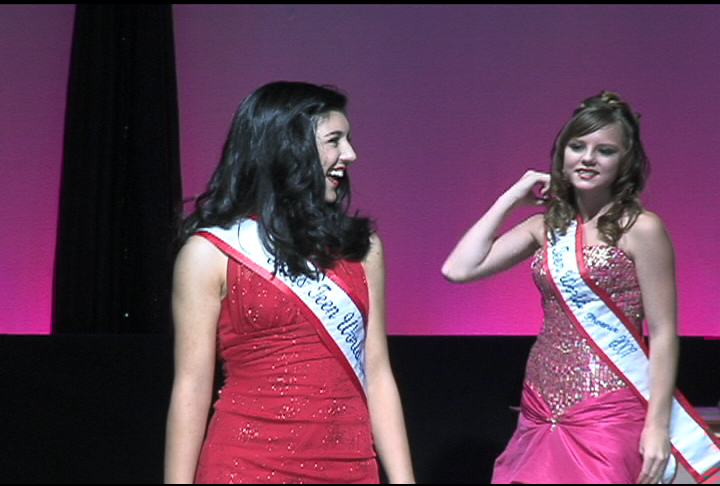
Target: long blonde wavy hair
[{"x": 593, "y": 114}]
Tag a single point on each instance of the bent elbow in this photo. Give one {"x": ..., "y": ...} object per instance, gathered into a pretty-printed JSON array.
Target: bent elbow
[{"x": 452, "y": 274}]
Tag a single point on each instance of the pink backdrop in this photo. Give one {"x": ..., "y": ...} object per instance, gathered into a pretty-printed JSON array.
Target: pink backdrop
[
  {"x": 34, "y": 63},
  {"x": 449, "y": 106}
]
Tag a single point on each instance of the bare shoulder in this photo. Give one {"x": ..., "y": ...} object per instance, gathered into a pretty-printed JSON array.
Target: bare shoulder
[
  {"x": 199, "y": 251},
  {"x": 200, "y": 262},
  {"x": 376, "y": 246},
  {"x": 536, "y": 226},
  {"x": 374, "y": 261},
  {"x": 648, "y": 233},
  {"x": 648, "y": 226}
]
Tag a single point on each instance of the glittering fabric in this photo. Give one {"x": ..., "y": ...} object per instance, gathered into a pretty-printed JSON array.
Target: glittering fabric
[
  {"x": 288, "y": 411},
  {"x": 563, "y": 368},
  {"x": 579, "y": 423}
]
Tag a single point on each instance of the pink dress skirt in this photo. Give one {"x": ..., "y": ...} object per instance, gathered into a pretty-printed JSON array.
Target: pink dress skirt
[{"x": 593, "y": 442}]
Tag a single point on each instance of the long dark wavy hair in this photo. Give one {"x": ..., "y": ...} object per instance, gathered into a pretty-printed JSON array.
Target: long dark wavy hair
[
  {"x": 593, "y": 114},
  {"x": 270, "y": 170}
]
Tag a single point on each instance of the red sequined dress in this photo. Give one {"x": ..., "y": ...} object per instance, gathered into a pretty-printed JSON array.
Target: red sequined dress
[
  {"x": 579, "y": 421},
  {"x": 288, "y": 411}
]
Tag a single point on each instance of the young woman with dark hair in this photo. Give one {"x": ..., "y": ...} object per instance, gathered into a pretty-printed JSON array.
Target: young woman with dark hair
[{"x": 275, "y": 278}]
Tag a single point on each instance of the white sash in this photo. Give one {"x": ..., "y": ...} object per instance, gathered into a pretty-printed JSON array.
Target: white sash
[
  {"x": 330, "y": 306},
  {"x": 609, "y": 333}
]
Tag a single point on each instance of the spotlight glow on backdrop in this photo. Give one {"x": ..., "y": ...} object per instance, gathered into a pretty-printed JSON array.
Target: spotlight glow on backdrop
[{"x": 449, "y": 105}]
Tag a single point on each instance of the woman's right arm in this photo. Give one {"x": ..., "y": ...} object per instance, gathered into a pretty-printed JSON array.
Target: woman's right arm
[
  {"x": 479, "y": 253},
  {"x": 199, "y": 282}
]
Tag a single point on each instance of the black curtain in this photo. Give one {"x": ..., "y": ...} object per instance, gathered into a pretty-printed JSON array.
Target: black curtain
[{"x": 120, "y": 183}]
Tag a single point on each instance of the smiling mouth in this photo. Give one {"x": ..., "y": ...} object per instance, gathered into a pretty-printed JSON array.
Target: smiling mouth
[
  {"x": 586, "y": 174},
  {"x": 336, "y": 175}
]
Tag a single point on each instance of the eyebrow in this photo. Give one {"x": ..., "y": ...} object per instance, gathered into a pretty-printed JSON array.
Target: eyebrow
[
  {"x": 605, "y": 144},
  {"x": 334, "y": 133}
]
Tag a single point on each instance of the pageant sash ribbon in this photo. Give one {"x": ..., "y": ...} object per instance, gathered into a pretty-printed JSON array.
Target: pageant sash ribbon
[
  {"x": 330, "y": 309},
  {"x": 614, "y": 339}
]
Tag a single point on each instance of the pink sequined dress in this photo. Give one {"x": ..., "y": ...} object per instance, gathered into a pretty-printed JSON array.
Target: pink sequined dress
[
  {"x": 288, "y": 412},
  {"x": 579, "y": 421}
]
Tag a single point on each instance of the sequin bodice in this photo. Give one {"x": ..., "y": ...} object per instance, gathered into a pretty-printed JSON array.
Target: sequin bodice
[{"x": 563, "y": 368}]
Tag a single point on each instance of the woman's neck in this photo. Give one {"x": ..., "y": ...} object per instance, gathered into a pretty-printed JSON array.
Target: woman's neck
[{"x": 592, "y": 206}]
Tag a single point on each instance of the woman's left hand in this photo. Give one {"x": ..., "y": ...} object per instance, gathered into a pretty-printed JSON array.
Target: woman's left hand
[{"x": 655, "y": 449}]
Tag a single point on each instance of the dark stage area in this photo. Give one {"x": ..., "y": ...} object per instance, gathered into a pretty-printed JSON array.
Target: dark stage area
[{"x": 91, "y": 408}]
